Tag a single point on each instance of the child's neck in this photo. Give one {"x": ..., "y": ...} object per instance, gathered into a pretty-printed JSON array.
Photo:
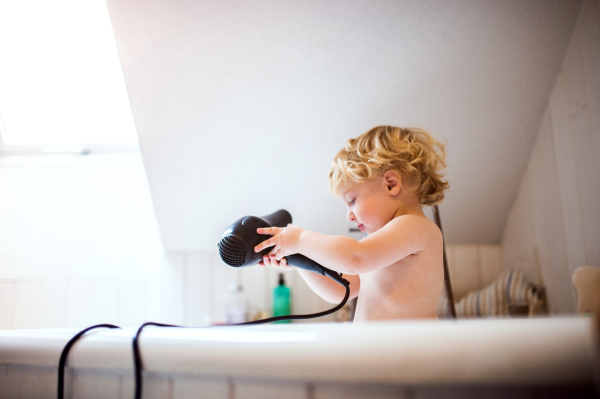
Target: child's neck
[{"x": 409, "y": 204}]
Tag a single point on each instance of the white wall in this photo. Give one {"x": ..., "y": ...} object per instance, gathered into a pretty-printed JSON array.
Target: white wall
[
  {"x": 554, "y": 224},
  {"x": 78, "y": 241}
]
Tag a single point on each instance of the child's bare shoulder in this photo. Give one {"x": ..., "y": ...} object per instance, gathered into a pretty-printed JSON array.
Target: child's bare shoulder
[{"x": 415, "y": 224}]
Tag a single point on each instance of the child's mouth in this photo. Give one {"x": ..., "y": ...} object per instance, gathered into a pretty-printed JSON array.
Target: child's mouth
[{"x": 360, "y": 226}]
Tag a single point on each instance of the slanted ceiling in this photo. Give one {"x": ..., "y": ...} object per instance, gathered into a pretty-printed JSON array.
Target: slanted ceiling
[{"x": 240, "y": 106}]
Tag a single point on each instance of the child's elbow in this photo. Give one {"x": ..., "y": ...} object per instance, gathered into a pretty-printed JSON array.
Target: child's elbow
[
  {"x": 355, "y": 260},
  {"x": 355, "y": 265}
]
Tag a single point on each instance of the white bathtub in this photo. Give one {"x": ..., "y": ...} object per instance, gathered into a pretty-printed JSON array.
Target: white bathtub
[{"x": 429, "y": 359}]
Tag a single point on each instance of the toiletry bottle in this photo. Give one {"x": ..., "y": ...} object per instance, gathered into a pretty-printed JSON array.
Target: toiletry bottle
[
  {"x": 235, "y": 305},
  {"x": 281, "y": 300}
]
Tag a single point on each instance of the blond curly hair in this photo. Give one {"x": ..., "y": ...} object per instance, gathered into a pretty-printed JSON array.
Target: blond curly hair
[{"x": 414, "y": 153}]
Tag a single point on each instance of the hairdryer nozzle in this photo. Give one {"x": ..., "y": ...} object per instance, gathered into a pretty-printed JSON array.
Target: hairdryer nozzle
[{"x": 233, "y": 251}]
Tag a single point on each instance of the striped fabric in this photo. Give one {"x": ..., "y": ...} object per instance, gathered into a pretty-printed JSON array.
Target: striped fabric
[{"x": 510, "y": 289}]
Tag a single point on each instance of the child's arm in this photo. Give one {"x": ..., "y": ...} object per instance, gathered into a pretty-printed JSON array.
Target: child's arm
[
  {"x": 328, "y": 289},
  {"x": 323, "y": 286},
  {"x": 401, "y": 237}
]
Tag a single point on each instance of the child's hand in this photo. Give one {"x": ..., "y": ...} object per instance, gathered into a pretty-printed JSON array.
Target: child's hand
[
  {"x": 268, "y": 261},
  {"x": 285, "y": 241}
]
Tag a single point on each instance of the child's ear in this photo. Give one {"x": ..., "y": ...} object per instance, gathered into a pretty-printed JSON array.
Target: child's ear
[{"x": 393, "y": 182}]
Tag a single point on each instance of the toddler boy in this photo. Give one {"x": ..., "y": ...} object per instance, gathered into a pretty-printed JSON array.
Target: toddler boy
[{"x": 384, "y": 177}]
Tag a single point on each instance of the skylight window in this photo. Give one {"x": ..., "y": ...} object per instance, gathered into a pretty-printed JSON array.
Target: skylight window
[{"x": 60, "y": 77}]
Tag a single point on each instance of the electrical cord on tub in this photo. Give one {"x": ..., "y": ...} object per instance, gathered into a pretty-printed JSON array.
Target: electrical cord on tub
[
  {"x": 65, "y": 352},
  {"x": 137, "y": 356}
]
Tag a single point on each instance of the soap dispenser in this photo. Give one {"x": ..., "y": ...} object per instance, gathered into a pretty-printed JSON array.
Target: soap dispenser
[{"x": 281, "y": 300}]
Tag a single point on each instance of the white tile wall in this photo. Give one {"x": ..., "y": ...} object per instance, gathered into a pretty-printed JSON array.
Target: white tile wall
[
  {"x": 200, "y": 388},
  {"x": 80, "y": 303},
  {"x": 28, "y": 303},
  {"x": 7, "y": 304},
  {"x": 17, "y": 382},
  {"x": 269, "y": 390},
  {"x": 349, "y": 391},
  {"x": 53, "y": 306},
  {"x": 37, "y": 303},
  {"x": 92, "y": 384}
]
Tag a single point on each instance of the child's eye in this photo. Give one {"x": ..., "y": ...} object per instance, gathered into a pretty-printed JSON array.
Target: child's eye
[{"x": 352, "y": 202}]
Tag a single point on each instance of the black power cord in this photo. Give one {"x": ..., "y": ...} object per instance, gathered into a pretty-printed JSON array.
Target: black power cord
[
  {"x": 447, "y": 285},
  {"x": 65, "y": 352},
  {"x": 136, "y": 348}
]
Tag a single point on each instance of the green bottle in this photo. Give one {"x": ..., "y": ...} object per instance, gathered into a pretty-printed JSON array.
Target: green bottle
[{"x": 281, "y": 300}]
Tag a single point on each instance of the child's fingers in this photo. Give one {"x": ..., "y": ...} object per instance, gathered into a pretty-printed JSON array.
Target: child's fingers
[
  {"x": 270, "y": 261},
  {"x": 265, "y": 244},
  {"x": 268, "y": 230},
  {"x": 266, "y": 260},
  {"x": 275, "y": 250},
  {"x": 284, "y": 265}
]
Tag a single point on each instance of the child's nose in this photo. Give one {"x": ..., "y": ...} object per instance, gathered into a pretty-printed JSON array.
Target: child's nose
[{"x": 351, "y": 217}]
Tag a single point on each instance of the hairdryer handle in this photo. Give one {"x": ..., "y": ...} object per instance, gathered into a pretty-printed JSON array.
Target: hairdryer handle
[{"x": 305, "y": 263}]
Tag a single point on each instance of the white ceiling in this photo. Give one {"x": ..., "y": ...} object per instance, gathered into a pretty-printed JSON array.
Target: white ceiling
[{"x": 240, "y": 106}]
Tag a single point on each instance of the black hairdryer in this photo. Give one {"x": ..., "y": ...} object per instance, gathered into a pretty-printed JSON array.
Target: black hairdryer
[{"x": 236, "y": 246}]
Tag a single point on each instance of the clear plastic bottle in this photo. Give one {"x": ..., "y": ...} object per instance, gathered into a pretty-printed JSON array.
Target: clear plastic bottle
[
  {"x": 281, "y": 300},
  {"x": 235, "y": 305}
]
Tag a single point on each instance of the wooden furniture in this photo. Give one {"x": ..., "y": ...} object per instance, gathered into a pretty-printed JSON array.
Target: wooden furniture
[{"x": 587, "y": 282}]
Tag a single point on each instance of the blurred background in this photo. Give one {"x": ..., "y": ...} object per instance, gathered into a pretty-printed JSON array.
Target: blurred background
[{"x": 132, "y": 134}]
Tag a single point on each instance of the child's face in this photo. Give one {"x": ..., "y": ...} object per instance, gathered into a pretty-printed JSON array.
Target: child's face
[{"x": 370, "y": 204}]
